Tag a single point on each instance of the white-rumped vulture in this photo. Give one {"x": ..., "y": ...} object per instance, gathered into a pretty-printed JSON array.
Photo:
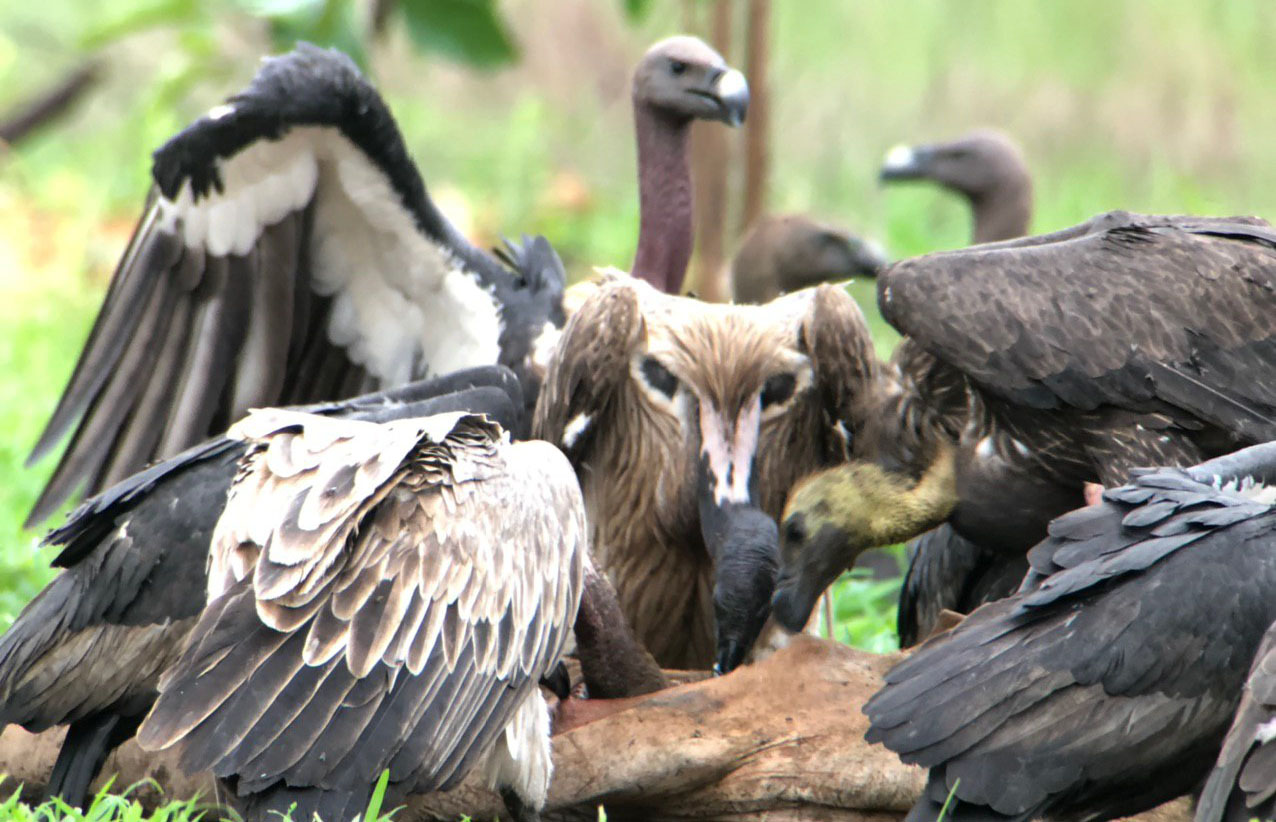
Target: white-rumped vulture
[
  {"x": 678, "y": 80},
  {"x": 1047, "y": 363},
  {"x": 289, "y": 253},
  {"x": 687, "y": 424},
  {"x": 1106, "y": 685},
  {"x": 786, "y": 252},
  {"x": 986, "y": 167},
  {"x": 380, "y": 596},
  {"x": 87, "y": 652}
]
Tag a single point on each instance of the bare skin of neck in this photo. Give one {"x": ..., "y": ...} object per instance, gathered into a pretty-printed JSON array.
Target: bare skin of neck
[
  {"x": 665, "y": 233},
  {"x": 1003, "y": 213}
]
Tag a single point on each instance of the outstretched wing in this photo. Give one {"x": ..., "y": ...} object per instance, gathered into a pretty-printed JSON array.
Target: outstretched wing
[
  {"x": 381, "y": 596},
  {"x": 1166, "y": 314},
  {"x": 289, "y": 253}
]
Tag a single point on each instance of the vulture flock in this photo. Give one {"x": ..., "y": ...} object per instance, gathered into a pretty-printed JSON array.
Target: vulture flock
[{"x": 356, "y": 488}]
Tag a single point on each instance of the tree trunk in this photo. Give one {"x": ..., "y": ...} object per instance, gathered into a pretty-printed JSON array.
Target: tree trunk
[
  {"x": 710, "y": 161},
  {"x": 782, "y": 739},
  {"x": 757, "y": 129}
]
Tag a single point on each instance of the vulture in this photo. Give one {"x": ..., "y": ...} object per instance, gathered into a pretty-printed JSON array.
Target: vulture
[
  {"x": 87, "y": 652},
  {"x": 1046, "y": 363},
  {"x": 290, "y": 253},
  {"x": 687, "y": 423},
  {"x": 986, "y": 167},
  {"x": 786, "y": 252},
  {"x": 380, "y": 596},
  {"x": 1105, "y": 686},
  {"x": 1242, "y": 785}
]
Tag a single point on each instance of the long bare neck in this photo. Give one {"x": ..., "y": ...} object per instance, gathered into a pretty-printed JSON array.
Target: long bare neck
[
  {"x": 1005, "y": 212},
  {"x": 665, "y": 232}
]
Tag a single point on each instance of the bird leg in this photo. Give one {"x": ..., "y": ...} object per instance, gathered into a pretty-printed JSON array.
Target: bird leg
[{"x": 1093, "y": 493}]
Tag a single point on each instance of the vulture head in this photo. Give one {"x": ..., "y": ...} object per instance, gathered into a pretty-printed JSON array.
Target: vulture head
[
  {"x": 783, "y": 253},
  {"x": 985, "y": 166},
  {"x": 687, "y": 423},
  {"x": 678, "y": 80}
]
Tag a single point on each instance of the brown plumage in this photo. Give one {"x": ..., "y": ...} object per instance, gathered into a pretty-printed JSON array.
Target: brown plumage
[
  {"x": 672, "y": 410},
  {"x": 783, "y": 253},
  {"x": 1127, "y": 341},
  {"x": 986, "y": 167},
  {"x": 380, "y": 596}
]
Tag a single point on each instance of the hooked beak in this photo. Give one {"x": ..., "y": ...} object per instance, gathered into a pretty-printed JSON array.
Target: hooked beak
[
  {"x": 731, "y": 92},
  {"x": 742, "y": 540},
  {"x": 906, "y": 163},
  {"x": 806, "y": 574}
]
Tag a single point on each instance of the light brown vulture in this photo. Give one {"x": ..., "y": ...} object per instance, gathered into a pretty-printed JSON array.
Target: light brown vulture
[
  {"x": 380, "y": 596},
  {"x": 289, "y": 252},
  {"x": 1106, "y": 685},
  {"x": 986, "y": 167},
  {"x": 786, "y": 252},
  {"x": 1054, "y": 361},
  {"x": 88, "y": 650},
  {"x": 687, "y": 423}
]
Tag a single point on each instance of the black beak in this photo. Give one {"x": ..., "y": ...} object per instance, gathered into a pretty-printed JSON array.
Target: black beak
[
  {"x": 731, "y": 91},
  {"x": 867, "y": 259},
  {"x": 805, "y": 576},
  {"x": 906, "y": 163}
]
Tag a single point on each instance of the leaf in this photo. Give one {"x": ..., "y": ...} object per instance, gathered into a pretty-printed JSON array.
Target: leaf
[
  {"x": 468, "y": 31},
  {"x": 636, "y": 10},
  {"x": 139, "y": 17}
]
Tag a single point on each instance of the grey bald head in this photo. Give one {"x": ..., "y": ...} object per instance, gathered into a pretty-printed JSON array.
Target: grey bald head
[
  {"x": 684, "y": 78},
  {"x": 986, "y": 167},
  {"x": 786, "y": 252}
]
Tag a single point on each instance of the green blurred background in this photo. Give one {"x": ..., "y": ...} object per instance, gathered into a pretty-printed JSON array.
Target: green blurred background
[{"x": 518, "y": 115}]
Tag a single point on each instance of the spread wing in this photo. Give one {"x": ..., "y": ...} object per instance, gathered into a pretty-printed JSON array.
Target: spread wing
[
  {"x": 288, "y": 253},
  {"x": 381, "y": 596},
  {"x": 1115, "y": 669},
  {"x": 1169, "y": 314}
]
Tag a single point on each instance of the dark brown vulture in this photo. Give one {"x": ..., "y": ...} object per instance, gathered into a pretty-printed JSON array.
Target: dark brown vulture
[
  {"x": 380, "y": 596},
  {"x": 289, "y": 252},
  {"x": 985, "y": 167},
  {"x": 88, "y": 650},
  {"x": 687, "y": 423},
  {"x": 1054, "y": 361},
  {"x": 787, "y": 252},
  {"x": 1106, "y": 685}
]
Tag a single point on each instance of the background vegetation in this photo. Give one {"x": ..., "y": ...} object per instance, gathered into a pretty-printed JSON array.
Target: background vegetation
[{"x": 1152, "y": 106}]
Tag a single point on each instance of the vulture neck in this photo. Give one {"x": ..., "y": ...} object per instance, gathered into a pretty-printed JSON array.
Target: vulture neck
[
  {"x": 1004, "y": 212},
  {"x": 612, "y": 661},
  {"x": 665, "y": 232}
]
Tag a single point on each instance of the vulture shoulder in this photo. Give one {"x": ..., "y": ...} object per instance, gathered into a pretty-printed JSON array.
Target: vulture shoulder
[
  {"x": 288, "y": 253},
  {"x": 1106, "y": 684},
  {"x": 379, "y": 596},
  {"x": 1175, "y": 315}
]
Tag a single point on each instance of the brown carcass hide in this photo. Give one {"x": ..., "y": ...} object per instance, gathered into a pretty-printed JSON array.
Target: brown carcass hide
[{"x": 782, "y": 739}]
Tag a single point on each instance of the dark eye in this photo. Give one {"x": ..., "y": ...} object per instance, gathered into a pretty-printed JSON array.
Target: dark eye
[
  {"x": 659, "y": 377},
  {"x": 677, "y": 66},
  {"x": 777, "y": 389},
  {"x": 794, "y": 532}
]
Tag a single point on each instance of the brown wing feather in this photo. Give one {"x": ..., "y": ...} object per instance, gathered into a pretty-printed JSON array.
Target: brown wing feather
[
  {"x": 381, "y": 565},
  {"x": 1169, "y": 314}
]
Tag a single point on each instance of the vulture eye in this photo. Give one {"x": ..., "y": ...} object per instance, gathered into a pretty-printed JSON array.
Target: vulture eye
[
  {"x": 794, "y": 533},
  {"x": 659, "y": 377},
  {"x": 677, "y": 66},
  {"x": 778, "y": 389}
]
